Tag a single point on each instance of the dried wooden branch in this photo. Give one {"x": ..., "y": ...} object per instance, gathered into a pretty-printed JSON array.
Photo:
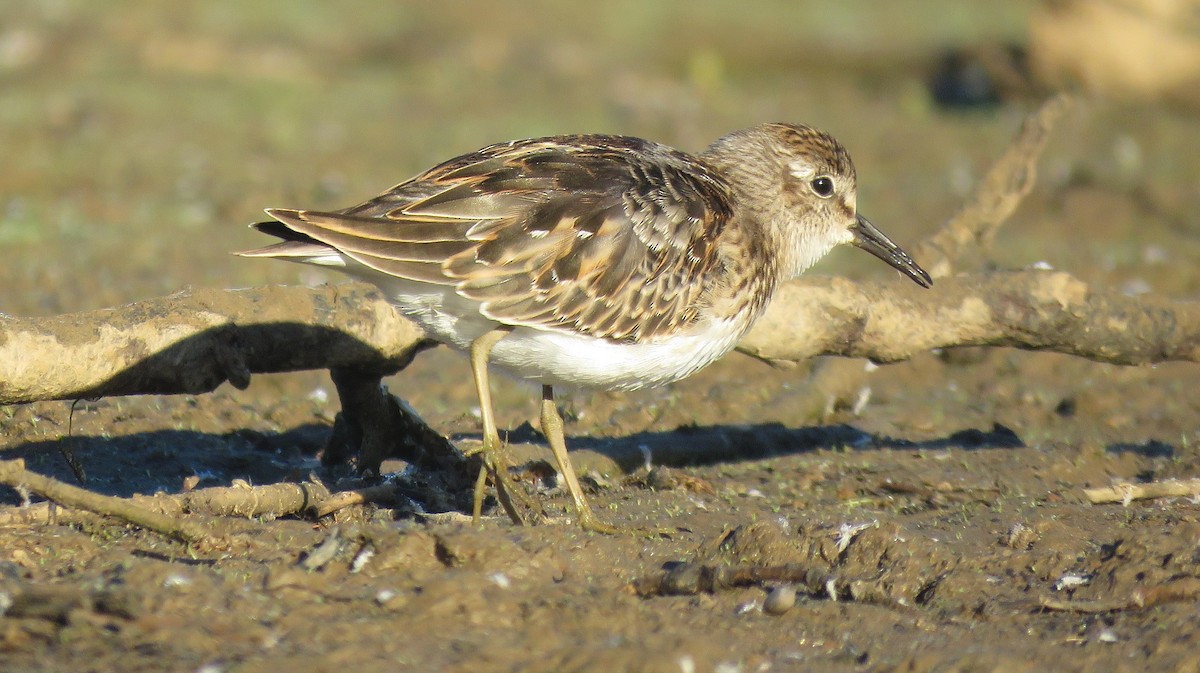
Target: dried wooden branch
[
  {"x": 14, "y": 474},
  {"x": 689, "y": 579},
  {"x": 1127, "y": 492},
  {"x": 1031, "y": 310},
  {"x": 382, "y": 493},
  {"x": 1178, "y": 590},
  {"x": 194, "y": 341},
  {"x": 883, "y": 321},
  {"x": 239, "y": 500}
]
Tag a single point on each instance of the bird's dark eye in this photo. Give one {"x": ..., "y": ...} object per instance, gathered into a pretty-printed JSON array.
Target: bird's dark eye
[{"x": 823, "y": 186}]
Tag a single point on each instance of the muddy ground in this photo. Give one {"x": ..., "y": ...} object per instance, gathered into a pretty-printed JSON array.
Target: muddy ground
[{"x": 944, "y": 516}]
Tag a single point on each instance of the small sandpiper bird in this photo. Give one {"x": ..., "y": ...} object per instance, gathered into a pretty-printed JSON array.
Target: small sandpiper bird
[{"x": 594, "y": 260}]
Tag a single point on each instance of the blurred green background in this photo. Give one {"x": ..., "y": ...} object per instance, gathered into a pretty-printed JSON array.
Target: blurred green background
[{"x": 139, "y": 139}]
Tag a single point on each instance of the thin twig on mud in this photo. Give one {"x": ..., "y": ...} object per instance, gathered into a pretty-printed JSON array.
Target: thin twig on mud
[
  {"x": 246, "y": 501},
  {"x": 240, "y": 500},
  {"x": 689, "y": 579},
  {"x": 1127, "y": 492},
  {"x": 383, "y": 493},
  {"x": 14, "y": 474},
  {"x": 1184, "y": 589}
]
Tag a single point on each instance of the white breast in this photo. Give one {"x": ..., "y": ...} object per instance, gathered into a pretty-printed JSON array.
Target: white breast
[{"x": 553, "y": 357}]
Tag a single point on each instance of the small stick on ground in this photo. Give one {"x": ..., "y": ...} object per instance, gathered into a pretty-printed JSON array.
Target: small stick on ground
[
  {"x": 1182, "y": 590},
  {"x": 1126, "y": 493},
  {"x": 383, "y": 493},
  {"x": 14, "y": 474},
  {"x": 271, "y": 500},
  {"x": 244, "y": 500},
  {"x": 687, "y": 579}
]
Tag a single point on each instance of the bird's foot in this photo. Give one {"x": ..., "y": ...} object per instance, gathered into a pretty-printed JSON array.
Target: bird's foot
[
  {"x": 591, "y": 523},
  {"x": 515, "y": 501}
]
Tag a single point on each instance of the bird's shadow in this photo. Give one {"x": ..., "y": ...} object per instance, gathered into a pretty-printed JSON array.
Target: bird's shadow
[
  {"x": 160, "y": 460},
  {"x": 704, "y": 445}
]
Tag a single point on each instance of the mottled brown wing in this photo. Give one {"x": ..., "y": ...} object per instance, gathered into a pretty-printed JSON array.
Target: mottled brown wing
[{"x": 608, "y": 236}]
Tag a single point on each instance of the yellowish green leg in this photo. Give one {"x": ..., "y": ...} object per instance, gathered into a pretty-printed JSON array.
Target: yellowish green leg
[
  {"x": 495, "y": 462},
  {"x": 552, "y": 427}
]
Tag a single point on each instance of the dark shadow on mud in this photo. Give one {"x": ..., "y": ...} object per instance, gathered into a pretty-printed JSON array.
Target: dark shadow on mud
[
  {"x": 704, "y": 445},
  {"x": 147, "y": 462},
  {"x": 1149, "y": 449},
  {"x": 161, "y": 460}
]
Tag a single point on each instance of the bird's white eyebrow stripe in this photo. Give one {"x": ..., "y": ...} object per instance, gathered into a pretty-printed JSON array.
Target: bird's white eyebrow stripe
[{"x": 802, "y": 169}]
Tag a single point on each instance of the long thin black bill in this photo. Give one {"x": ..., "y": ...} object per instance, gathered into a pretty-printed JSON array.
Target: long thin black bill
[{"x": 867, "y": 237}]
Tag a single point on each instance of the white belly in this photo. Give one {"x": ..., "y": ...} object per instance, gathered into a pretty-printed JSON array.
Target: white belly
[
  {"x": 562, "y": 358},
  {"x": 553, "y": 357}
]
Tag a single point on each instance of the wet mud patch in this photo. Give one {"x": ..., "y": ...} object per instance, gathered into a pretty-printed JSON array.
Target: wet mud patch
[{"x": 902, "y": 555}]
